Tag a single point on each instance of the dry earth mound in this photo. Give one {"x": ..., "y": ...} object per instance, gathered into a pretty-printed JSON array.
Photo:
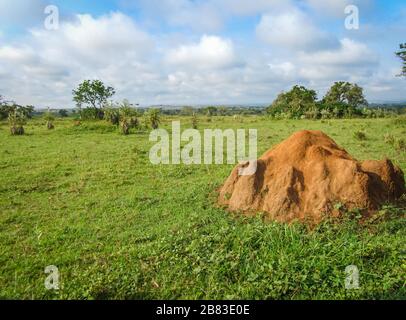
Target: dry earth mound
[{"x": 307, "y": 176}]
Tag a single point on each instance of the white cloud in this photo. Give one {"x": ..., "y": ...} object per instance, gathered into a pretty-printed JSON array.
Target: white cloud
[
  {"x": 210, "y": 52},
  {"x": 349, "y": 53},
  {"x": 353, "y": 62},
  {"x": 173, "y": 65},
  {"x": 50, "y": 63},
  {"x": 293, "y": 30},
  {"x": 103, "y": 40},
  {"x": 283, "y": 69}
]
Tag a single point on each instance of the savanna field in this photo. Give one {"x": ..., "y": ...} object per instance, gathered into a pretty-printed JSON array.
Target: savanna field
[{"x": 87, "y": 200}]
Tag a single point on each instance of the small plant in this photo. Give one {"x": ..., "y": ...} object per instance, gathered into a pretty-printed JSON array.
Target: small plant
[
  {"x": 124, "y": 126},
  {"x": 128, "y": 113},
  {"x": 400, "y": 145},
  {"x": 389, "y": 139},
  {"x": 16, "y": 119},
  {"x": 154, "y": 118},
  {"x": 194, "y": 121},
  {"x": 325, "y": 114},
  {"x": 360, "y": 135},
  {"x": 49, "y": 117},
  {"x": 112, "y": 115}
]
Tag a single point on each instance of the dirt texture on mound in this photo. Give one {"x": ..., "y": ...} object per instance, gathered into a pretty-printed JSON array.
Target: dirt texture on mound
[{"x": 308, "y": 177}]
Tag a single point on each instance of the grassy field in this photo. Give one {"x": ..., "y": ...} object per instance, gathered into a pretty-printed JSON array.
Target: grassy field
[{"x": 87, "y": 199}]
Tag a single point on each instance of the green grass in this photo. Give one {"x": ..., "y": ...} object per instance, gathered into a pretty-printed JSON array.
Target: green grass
[{"x": 87, "y": 200}]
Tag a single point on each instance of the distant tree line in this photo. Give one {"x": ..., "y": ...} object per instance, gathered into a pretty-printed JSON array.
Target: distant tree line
[{"x": 343, "y": 100}]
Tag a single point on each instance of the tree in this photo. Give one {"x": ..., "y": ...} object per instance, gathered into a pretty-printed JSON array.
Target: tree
[
  {"x": 5, "y": 108},
  {"x": 128, "y": 116},
  {"x": 93, "y": 94},
  {"x": 63, "y": 113},
  {"x": 16, "y": 120},
  {"x": 154, "y": 118},
  {"x": 345, "y": 94},
  {"x": 402, "y": 55},
  {"x": 27, "y": 110},
  {"x": 211, "y": 111},
  {"x": 295, "y": 102},
  {"x": 112, "y": 114}
]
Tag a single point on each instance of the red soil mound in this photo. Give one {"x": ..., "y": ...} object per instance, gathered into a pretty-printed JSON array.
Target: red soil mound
[{"x": 306, "y": 176}]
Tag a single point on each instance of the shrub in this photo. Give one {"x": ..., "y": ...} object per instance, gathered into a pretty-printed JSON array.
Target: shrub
[
  {"x": 360, "y": 135},
  {"x": 112, "y": 115},
  {"x": 16, "y": 119},
  {"x": 154, "y": 118},
  {"x": 389, "y": 139},
  {"x": 325, "y": 114},
  {"x": 124, "y": 126},
  {"x": 49, "y": 117},
  {"x": 129, "y": 114},
  {"x": 400, "y": 145},
  {"x": 90, "y": 113},
  {"x": 194, "y": 121}
]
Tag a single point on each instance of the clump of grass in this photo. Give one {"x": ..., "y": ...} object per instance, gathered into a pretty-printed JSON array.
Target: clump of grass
[
  {"x": 389, "y": 138},
  {"x": 400, "y": 145},
  {"x": 399, "y": 121},
  {"x": 194, "y": 121},
  {"x": 124, "y": 127},
  {"x": 360, "y": 135}
]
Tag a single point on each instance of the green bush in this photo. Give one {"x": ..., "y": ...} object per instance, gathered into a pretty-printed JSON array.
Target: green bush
[
  {"x": 16, "y": 120},
  {"x": 360, "y": 135},
  {"x": 389, "y": 139}
]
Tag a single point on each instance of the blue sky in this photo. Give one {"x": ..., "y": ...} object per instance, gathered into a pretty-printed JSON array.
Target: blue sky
[{"x": 198, "y": 52}]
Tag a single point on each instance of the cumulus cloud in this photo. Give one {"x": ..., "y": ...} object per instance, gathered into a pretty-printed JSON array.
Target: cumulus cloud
[
  {"x": 293, "y": 30},
  {"x": 350, "y": 53},
  {"x": 210, "y": 52},
  {"x": 353, "y": 62},
  {"x": 171, "y": 65},
  {"x": 52, "y": 62}
]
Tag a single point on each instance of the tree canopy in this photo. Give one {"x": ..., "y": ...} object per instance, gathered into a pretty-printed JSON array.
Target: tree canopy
[
  {"x": 345, "y": 93},
  {"x": 8, "y": 107},
  {"x": 402, "y": 55},
  {"x": 92, "y": 93},
  {"x": 296, "y": 102},
  {"x": 342, "y": 99}
]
